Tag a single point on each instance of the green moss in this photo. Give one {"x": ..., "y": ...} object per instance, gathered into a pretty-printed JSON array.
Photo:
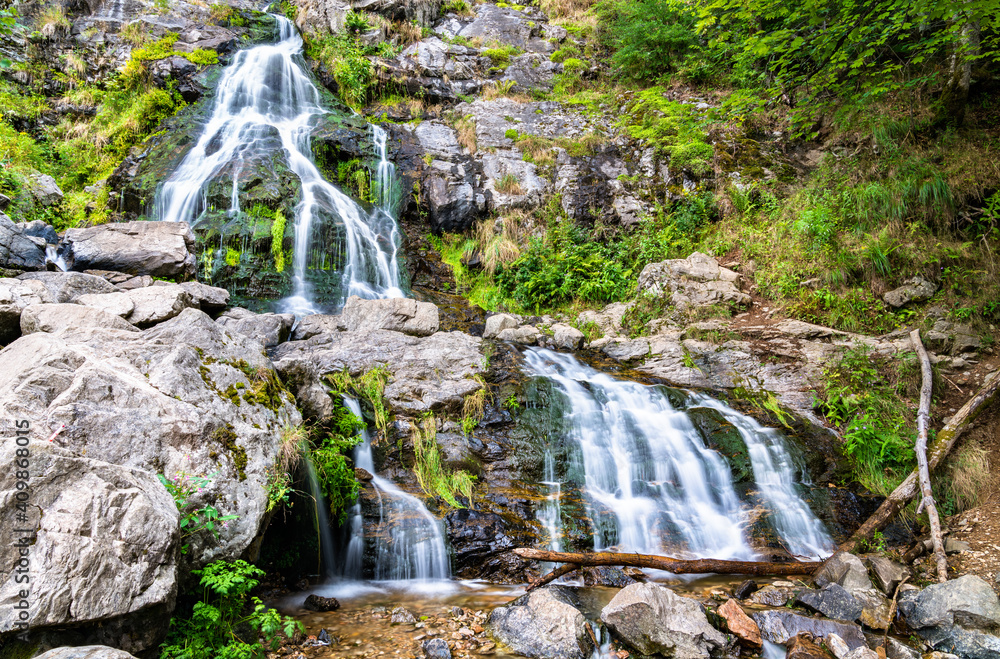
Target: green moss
[{"x": 226, "y": 436}]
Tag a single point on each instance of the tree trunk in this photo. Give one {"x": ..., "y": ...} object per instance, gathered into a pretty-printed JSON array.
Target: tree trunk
[
  {"x": 955, "y": 96},
  {"x": 675, "y": 565},
  {"x": 943, "y": 443},
  {"x": 923, "y": 420}
]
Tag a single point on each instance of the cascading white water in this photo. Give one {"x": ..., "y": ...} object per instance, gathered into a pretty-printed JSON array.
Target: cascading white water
[
  {"x": 265, "y": 98},
  {"x": 324, "y": 536},
  {"x": 774, "y": 472},
  {"x": 414, "y": 547},
  {"x": 648, "y": 475}
]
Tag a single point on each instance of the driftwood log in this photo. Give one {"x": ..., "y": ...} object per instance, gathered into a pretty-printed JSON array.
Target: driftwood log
[
  {"x": 939, "y": 448},
  {"x": 573, "y": 561},
  {"x": 920, "y": 448}
]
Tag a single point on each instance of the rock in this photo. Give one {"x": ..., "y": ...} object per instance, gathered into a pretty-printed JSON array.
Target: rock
[
  {"x": 322, "y": 604},
  {"x": 652, "y": 619},
  {"x": 803, "y": 646},
  {"x": 86, "y": 652},
  {"x": 832, "y": 601},
  {"x": 603, "y": 575},
  {"x": 318, "y": 323},
  {"x": 543, "y": 624},
  {"x": 953, "y": 546},
  {"x": 838, "y": 647},
  {"x": 779, "y": 626},
  {"x": 270, "y": 329},
  {"x": 566, "y": 337},
  {"x": 965, "y": 340},
  {"x": 894, "y": 649},
  {"x": 746, "y": 589},
  {"x": 159, "y": 249},
  {"x": 427, "y": 373},
  {"x": 57, "y": 317},
  {"x": 44, "y": 189},
  {"x": 740, "y": 624},
  {"x": 399, "y": 314},
  {"x": 498, "y": 323},
  {"x": 15, "y": 296},
  {"x": 770, "y": 596},
  {"x": 17, "y": 250},
  {"x": 861, "y": 653},
  {"x": 525, "y": 335},
  {"x": 967, "y": 601},
  {"x": 436, "y": 648},
  {"x": 401, "y": 616},
  {"x": 875, "y": 609},
  {"x": 916, "y": 289},
  {"x": 107, "y": 543},
  {"x": 208, "y": 298},
  {"x": 846, "y": 570},
  {"x": 505, "y": 25},
  {"x": 696, "y": 281},
  {"x": 481, "y": 542},
  {"x": 68, "y": 286},
  {"x": 887, "y": 574},
  {"x": 155, "y": 304},
  {"x": 965, "y": 643},
  {"x": 624, "y": 351},
  {"x": 117, "y": 304}
]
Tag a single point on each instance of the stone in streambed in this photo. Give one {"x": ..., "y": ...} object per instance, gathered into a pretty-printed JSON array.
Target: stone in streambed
[
  {"x": 436, "y": 648},
  {"x": 401, "y": 616},
  {"x": 740, "y": 624},
  {"x": 846, "y": 570},
  {"x": 543, "y": 624},
  {"x": 779, "y": 626},
  {"x": 803, "y": 646},
  {"x": 318, "y": 603},
  {"x": 746, "y": 589},
  {"x": 832, "y": 601},
  {"x": 652, "y": 619},
  {"x": 86, "y": 652}
]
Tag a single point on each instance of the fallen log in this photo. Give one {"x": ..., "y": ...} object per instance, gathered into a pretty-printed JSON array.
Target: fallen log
[
  {"x": 675, "y": 565},
  {"x": 941, "y": 446},
  {"x": 560, "y": 571},
  {"x": 920, "y": 448}
]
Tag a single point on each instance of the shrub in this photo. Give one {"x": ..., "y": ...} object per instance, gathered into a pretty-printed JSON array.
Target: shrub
[{"x": 649, "y": 38}]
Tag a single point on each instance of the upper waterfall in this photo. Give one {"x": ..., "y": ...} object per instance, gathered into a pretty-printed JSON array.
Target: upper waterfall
[{"x": 263, "y": 95}]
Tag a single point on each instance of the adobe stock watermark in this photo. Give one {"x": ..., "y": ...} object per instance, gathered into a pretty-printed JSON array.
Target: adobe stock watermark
[{"x": 23, "y": 534}]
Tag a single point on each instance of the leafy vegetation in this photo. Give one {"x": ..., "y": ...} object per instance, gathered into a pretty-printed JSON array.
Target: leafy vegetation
[
  {"x": 433, "y": 477},
  {"x": 193, "y": 520},
  {"x": 225, "y": 622}
]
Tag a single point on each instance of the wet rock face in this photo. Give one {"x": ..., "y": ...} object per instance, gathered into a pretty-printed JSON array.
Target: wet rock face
[
  {"x": 482, "y": 542},
  {"x": 18, "y": 250},
  {"x": 544, "y": 624}
]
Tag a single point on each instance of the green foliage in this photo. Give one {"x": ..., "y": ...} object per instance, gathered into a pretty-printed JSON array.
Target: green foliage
[
  {"x": 225, "y": 622},
  {"x": 277, "y": 241},
  {"x": 369, "y": 387},
  {"x": 193, "y": 521},
  {"x": 333, "y": 467},
  {"x": 672, "y": 127},
  {"x": 861, "y": 398},
  {"x": 460, "y": 7},
  {"x": 500, "y": 54},
  {"x": 433, "y": 477},
  {"x": 346, "y": 60},
  {"x": 649, "y": 38}
]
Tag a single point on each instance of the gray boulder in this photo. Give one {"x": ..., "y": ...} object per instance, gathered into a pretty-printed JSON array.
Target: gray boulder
[
  {"x": 525, "y": 335},
  {"x": 498, "y": 323},
  {"x": 696, "y": 281},
  {"x": 86, "y": 652},
  {"x": 58, "y": 317},
  {"x": 964, "y": 643},
  {"x": 106, "y": 545},
  {"x": 208, "y": 298},
  {"x": 155, "y": 304},
  {"x": 396, "y": 314},
  {"x": 652, "y": 619},
  {"x": 544, "y": 624},
  {"x": 39, "y": 229},
  {"x": 967, "y": 601},
  {"x": 505, "y": 25},
  {"x": 118, "y": 304},
  {"x": 319, "y": 323},
  {"x": 44, "y": 189},
  {"x": 68, "y": 286},
  {"x": 832, "y": 601},
  {"x": 624, "y": 351},
  {"x": 436, "y": 648},
  {"x": 845, "y": 570},
  {"x": 17, "y": 249},
  {"x": 15, "y": 296},
  {"x": 886, "y": 573},
  {"x": 426, "y": 373},
  {"x": 780, "y": 625},
  {"x": 159, "y": 249},
  {"x": 268, "y": 328},
  {"x": 567, "y": 337},
  {"x": 916, "y": 289}
]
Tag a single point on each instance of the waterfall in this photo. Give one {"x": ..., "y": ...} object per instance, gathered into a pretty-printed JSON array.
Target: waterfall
[
  {"x": 325, "y": 537},
  {"x": 647, "y": 474},
  {"x": 410, "y": 543},
  {"x": 265, "y": 100}
]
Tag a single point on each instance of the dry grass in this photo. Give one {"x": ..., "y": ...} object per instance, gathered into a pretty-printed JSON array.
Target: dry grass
[
  {"x": 292, "y": 444},
  {"x": 52, "y": 20},
  {"x": 500, "y": 240},
  {"x": 508, "y": 184},
  {"x": 968, "y": 476},
  {"x": 568, "y": 9},
  {"x": 466, "y": 128},
  {"x": 539, "y": 149},
  {"x": 503, "y": 89},
  {"x": 406, "y": 32}
]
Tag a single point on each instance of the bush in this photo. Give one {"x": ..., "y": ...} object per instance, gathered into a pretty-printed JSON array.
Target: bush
[{"x": 650, "y": 38}]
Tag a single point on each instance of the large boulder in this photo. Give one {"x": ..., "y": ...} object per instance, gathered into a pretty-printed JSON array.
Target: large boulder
[
  {"x": 833, "y": 601},
  {"x": 268, "y": 328},
  {"x": 118, "y": 304},
  {"x": 99, "y": 540},
  {"x": 155, "y": 304},
  {"x": 652, "y": 619},
  {"x": 916, "y": 289},
  {"x": 544, "y": 624},
  {"x": 18, "y": 250},
  {"x": 696, "y": 281},
  {"x": 159, "y": 249},
  {"x": 397, "y": 314},
  {"x": 429, "y": 373},
  {"x": 68, "y": 286},
  {"x": 86, "y": 652},
  {"x": 846, "y": 570},
  {"x": 15, "y": 296},
  {"x": 44, "y": 189},
  {"x": 58, "y": 317},
  {"x": 780, "y": 626},
  {"x": 967, "y": 601}
]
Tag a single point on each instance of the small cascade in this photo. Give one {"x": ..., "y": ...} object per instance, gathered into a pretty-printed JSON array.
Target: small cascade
[
  {"x": 325, "y": 536},
  {"x": 266, "y": 101},
  {"x": 410, "y": 543},
  {"x": 53, "y": 257},
  {"x": 650, "y": 482},
  {"x": 550, "y": 512},
  {"x": 774, "y": 471}
]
